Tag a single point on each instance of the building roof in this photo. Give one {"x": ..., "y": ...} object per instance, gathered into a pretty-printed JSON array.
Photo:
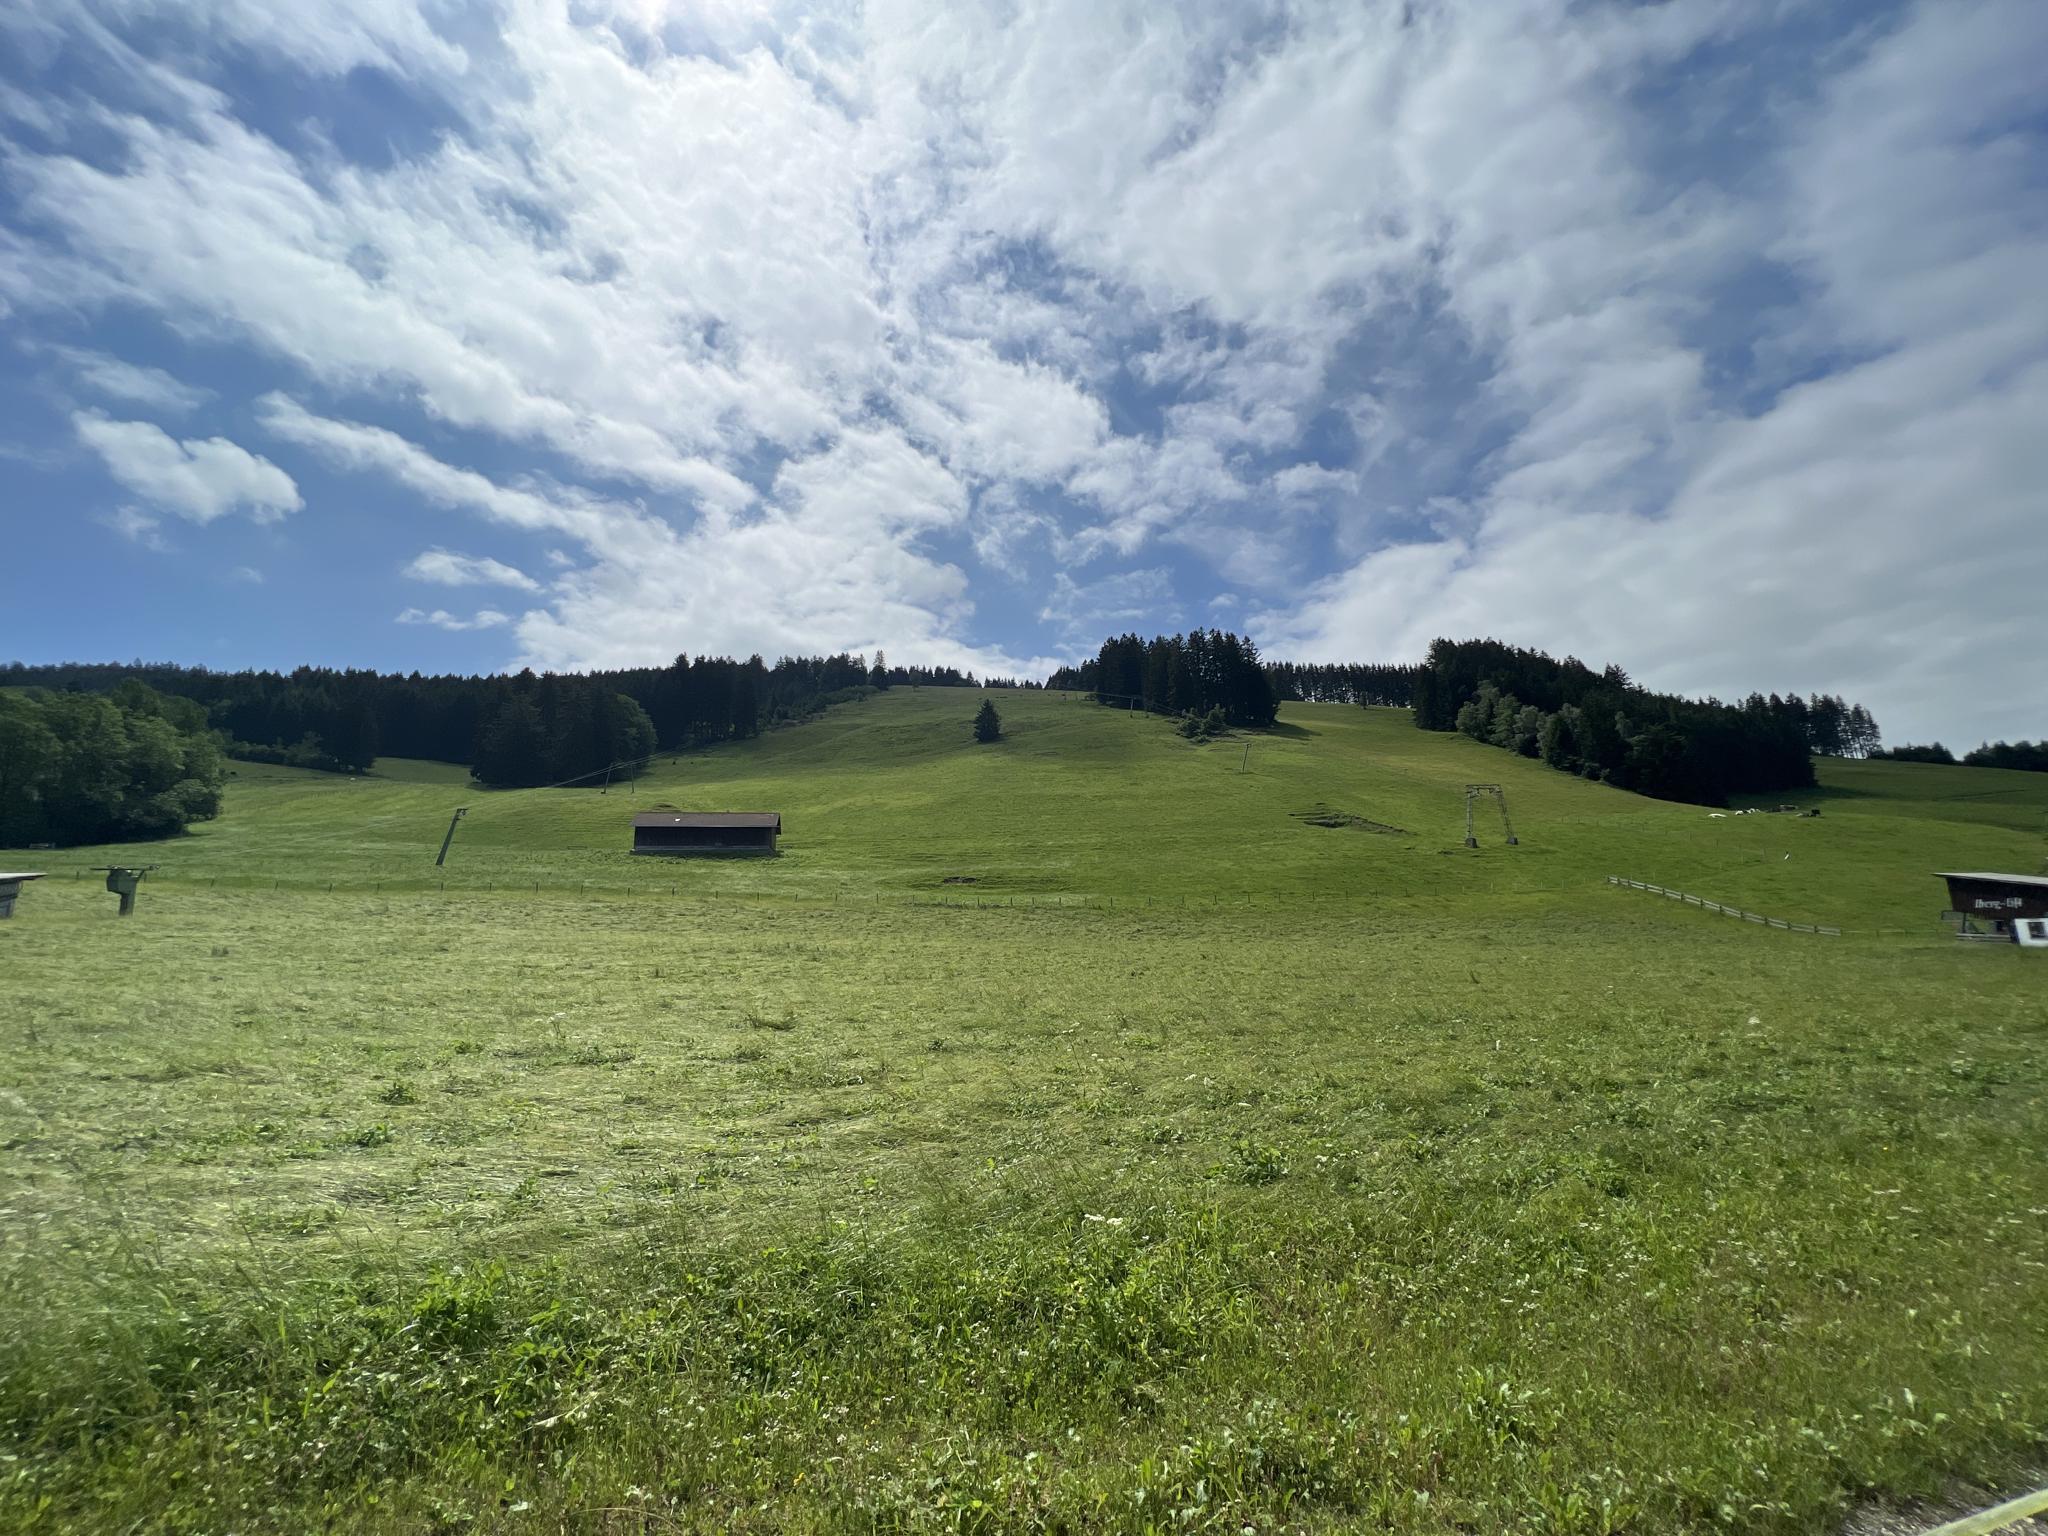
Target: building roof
[
  {"x": 709, "y": 819},
  {"x": 2036, "y": 880}
]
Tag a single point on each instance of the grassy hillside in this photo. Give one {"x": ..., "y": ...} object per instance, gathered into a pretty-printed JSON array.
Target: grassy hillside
[
  {"x": 1197, "y": 1169},
  {"x": 891, "y": 798}
]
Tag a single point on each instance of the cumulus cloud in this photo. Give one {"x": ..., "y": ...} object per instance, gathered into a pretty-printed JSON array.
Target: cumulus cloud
[
  {"x": 1310, "y": 480},
  {"x": 199, "y": 478},
  {"x": 827, "y": 563},
  {"x": 1829, "y": 536},
  {"x": 131, "y": 383},
  {"x": 830, "y": 563},
  {"x": 449, "y": 569},
  {"x": 1653, "y": 332},
  {"x": 441, "y": 618}
]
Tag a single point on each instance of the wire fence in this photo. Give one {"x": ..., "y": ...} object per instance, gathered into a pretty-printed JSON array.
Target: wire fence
[
  {"x": 1404, "y": 908},
  {"x": 961, "y": 896},
  {"x": 1726, "y": 911}
]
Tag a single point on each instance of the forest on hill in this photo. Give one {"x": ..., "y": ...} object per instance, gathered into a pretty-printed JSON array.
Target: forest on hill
[
  {"x": 525, "y": 729},
  {"x": 517, "y": 729},
  {"x": 1150, "y": 668},
  {"x": 1604, "y": 726},
  {"x": 1601, "y": 724},
  {"x": 2027, "y": 756}
]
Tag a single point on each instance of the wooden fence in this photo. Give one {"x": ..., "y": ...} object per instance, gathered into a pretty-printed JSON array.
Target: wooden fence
[{"x": 1714, "y": 906}]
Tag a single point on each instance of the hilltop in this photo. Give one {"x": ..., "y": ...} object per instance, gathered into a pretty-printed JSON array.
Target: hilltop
[{"x": 891, "y": 798}]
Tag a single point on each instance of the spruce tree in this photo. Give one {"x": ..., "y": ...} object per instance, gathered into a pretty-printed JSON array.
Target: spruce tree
[{"x": 988, "y": 725}]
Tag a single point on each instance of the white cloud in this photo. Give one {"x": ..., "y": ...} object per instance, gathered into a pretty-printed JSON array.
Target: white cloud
[
  {"x": 1827, "y": 540},
  {"x": 351, "y": 445},
  {"x": 248, "y": 575},
  {"x": 1003, "y": 420},
  {"x": 441, "y": 618},
  {"x": 133, "y": 383},
  {"x": 556, "y": 282},
  {"x": 138, "y": 527},
  {"x": 199, "y": 478},
  {"x": 1085, "y": 612},
  {"x": 449, "y": 569},
  {"x": 826, "y": 565},
  {"x": 1407, "y": 319},
  {"x": 394, "y": 34},
  {"x": 1311, "y": 480},
  {"x": 829, "y": 564}
]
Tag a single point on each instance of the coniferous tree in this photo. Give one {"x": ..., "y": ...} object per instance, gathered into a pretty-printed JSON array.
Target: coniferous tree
[
  {"x": 1694, "y": 749},
  {"x": 512, "y": 750},
  {"x": 1341, "y": 683},
  {"x": 988, "y": 725},
  {"x": 318, "y": 717},
  {"x": 2028, "y": 756},
  {"x": 746, "y": 697},
  {"x": 1559, "y": 739}
]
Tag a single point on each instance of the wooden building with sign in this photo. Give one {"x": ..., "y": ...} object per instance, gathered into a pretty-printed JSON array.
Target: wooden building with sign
[{"x": 1991, "y": 905}]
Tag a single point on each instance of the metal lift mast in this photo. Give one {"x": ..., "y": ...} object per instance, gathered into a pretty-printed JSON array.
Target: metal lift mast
[{"x": 1500, "y": 796}]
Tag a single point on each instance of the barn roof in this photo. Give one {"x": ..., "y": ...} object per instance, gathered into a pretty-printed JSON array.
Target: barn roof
[
  {"x": 709, "y": 819},
  {"x": 2039, "y": 880}
]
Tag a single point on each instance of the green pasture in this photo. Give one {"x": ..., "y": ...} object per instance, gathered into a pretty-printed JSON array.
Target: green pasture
[
  {"x": 1197, "y": 1168},
  {"x": 889, "y": 800}
]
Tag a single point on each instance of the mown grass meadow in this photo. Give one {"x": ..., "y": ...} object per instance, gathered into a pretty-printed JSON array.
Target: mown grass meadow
[{"x": 1377, "y": 1186}]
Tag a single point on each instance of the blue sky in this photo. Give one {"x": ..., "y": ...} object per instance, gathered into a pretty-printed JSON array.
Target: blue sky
[{"x": 1709, "y": 338}]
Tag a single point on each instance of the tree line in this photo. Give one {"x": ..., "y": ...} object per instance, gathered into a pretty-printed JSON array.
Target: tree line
[
  {"x": 1194, "y": 674},
  {"x": 2028, "y": 756},
  {"x": 1603, "y": 726},
  {"x": 1383, "y": 684},
  {"x": 521, "y": 729},
  {"x": 1291, "y": 682},
  {"x": 104, "y": 768}
]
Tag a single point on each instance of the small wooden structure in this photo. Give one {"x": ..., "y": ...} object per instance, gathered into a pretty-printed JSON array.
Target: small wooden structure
[
  {"x": 681, "y": 832},
  {"x": 1991, "y": 905},
  {"x": 10, "y": 887}
]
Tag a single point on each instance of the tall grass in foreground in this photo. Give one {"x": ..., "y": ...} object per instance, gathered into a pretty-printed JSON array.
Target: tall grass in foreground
[{"x": 1442, "y": 1342}]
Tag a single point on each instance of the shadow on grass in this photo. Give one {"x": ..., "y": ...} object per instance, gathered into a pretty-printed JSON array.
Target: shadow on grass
[{"x": 1800, "y": 796}]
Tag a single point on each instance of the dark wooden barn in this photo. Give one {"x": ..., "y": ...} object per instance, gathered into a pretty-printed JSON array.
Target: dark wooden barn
[
  {"x": 1991, "y": 903},
  {"x": 706, "y": 831}
]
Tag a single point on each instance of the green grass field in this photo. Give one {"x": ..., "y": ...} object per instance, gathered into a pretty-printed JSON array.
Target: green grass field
[{"x": 1196, "y": 1168}]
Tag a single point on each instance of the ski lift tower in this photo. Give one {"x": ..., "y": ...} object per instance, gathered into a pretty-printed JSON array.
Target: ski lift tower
[{"x": 1500, "y": 797}]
